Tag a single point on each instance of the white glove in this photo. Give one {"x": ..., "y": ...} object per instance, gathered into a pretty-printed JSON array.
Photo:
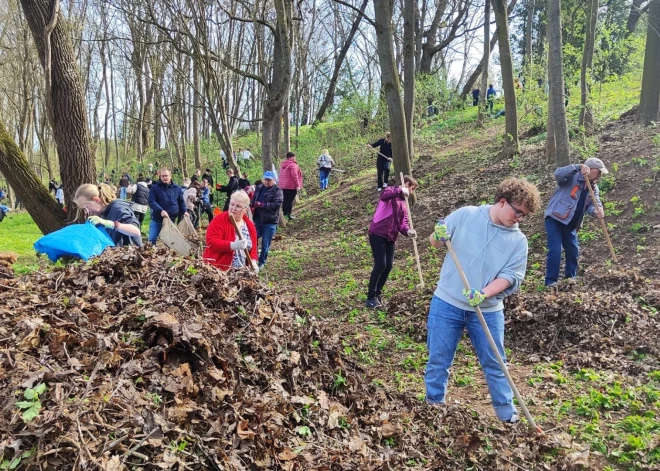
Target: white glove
[
  {"x": 412, "y": 233},
  {"x": 405, "y": 191},
  {"x": 239, "y": 244},
  {"x": 255, "y": 266}
]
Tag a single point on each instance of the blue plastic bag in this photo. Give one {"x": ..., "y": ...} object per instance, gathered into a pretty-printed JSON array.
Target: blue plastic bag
[{"x": 77, "y": 240}]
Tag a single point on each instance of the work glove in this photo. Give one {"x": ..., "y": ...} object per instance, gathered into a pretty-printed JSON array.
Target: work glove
[
  {"x": 97, "y": 221},
  {"x": 412, "y": 233},
  {"x": 474, "y": 297},
  {"x": 259, "y": 204},
  {"x": 255, "y": 266},
  {"x": 239, "y": 244},
  {"x": 405, "y": 191},
  {"x": 441, "y": 233}
]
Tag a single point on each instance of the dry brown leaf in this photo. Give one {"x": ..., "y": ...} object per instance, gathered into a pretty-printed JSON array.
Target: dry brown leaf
[{"x": 243, "y": 431}]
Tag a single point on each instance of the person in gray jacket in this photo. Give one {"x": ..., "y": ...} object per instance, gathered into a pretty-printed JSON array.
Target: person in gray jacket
[{"x": 563, "y": 217}]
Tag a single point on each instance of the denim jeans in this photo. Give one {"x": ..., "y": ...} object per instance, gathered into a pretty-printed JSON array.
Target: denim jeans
[
  {"x": 122, "y": 192},
  {"x": 559, "y": 235},
  {"x": 266, "y": 233},
  {"x": 154, "y": 230},
  {"x": 445, "y": 328},
  {"x": 324, "y": 173}
]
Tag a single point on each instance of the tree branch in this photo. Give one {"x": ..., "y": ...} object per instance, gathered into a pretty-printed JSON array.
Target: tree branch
[{"x": 362, "y": 14}]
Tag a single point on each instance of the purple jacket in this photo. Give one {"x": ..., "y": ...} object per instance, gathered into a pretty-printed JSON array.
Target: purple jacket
[{"x": 391, "y": 217}]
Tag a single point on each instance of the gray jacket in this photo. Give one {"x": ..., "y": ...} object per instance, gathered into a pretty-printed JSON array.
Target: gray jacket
[{"x": 570, "y": 185}]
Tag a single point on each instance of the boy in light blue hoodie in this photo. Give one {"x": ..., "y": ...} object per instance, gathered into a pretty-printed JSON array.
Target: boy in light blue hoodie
[{"x": 493, "y": 253}]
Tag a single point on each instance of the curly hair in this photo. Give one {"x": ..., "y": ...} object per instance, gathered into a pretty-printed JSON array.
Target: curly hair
[{"x": 521, "y": 192}]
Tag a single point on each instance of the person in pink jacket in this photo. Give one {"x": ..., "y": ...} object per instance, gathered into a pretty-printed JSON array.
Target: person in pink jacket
[{"x": 290, "y": 182}]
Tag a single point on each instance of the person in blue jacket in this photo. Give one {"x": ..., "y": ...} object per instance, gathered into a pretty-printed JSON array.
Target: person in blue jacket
[
  {"x": 491, "y": 93},
  {"x": 563, "y": 217},
  {"x": 166, "y": 202}
]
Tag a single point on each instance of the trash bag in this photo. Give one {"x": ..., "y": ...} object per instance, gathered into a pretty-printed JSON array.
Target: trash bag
[
  {"x": 77, "y": 240},
  {"x": 187, "y": 229},
  {"x": 176, "y": 241}
]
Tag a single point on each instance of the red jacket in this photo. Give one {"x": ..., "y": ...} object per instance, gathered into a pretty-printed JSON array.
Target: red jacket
[
  {"x": 290, "y": 175},
  {"x": 219, "y": 235}
]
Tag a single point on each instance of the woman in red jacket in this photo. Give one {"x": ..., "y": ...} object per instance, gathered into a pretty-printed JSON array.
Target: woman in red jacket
[{"x": 223, "y": 248}]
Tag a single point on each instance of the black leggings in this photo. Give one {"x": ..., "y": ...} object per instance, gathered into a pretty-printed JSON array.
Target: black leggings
[
  {"x": 140, "y": 218},
  {"x": 287, "y": 204},
  {"x": 383, "y": 169},
  {"x": 383, "y": 252}
]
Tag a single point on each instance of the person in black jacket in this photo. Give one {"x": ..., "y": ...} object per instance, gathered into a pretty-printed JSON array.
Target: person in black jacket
[
  {"x": 140, "y": 199},
  {"x": 229, "y": 188},
  {"x": 266, "y": 203},
  {"x": 384, "y": 159}
]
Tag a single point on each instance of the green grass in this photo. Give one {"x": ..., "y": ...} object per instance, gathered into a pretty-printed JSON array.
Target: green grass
[{"x": 19, "y": 233}]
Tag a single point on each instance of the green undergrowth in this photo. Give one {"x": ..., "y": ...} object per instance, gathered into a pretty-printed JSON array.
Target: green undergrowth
[{"x": 18, "y": 233}]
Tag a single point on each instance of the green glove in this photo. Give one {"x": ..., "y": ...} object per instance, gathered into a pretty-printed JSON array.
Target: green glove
[
  {"x": 441, "y": 233},
  {"x": 474, "y": 297},
  {"x": 97, "y": 221}
]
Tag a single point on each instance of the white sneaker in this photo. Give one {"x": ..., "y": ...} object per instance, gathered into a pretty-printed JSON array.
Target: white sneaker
[
  {"x": 384, "y": 185},
  {"x": 514, "y": 419},
  {"x": 379, "y": 190}
]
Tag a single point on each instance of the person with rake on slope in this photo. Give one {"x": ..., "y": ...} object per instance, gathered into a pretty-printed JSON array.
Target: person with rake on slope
[
  {"x": 389, "y": 220},
  {"x": 493, "y": 253},
  {"x": 384, "y": 159},
  {"x": 563, "y": 217}
]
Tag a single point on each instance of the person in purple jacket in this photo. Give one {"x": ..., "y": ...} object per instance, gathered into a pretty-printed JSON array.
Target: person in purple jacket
[{"x": 390, "y": 219}]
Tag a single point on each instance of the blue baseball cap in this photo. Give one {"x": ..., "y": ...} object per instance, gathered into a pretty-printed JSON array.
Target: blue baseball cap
[{"x": 270, "y": 175}]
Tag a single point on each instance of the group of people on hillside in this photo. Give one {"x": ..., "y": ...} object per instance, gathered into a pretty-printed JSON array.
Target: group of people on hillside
[{"x": 492, "y": 251}]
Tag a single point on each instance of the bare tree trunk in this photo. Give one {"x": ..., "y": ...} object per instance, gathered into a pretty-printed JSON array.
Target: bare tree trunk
[
  {"x": 409, "y": 70},
  {"x": 550, "y": 147},
  {"x": 529, "y": 24},
  {"x": 286, "y": 121},
  {"x": 511, "y": 145},
  {"x": 586, "y": 113},
  {"x": 38, "y": 202},
  {"x": 65, "y": 97},
  {"x": 556, "y": 83},
  {"x": 391, "y": 86},
  {"x": 649, "y": 100},
  {"x": 195, "y": 116},
  {"x": 483, "y": 103}
]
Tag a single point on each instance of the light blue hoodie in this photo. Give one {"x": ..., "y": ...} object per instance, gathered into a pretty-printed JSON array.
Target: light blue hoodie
[{"x": 486, "y": 251}]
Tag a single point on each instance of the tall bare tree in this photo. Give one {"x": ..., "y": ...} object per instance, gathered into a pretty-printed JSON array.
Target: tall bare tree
[
  {"x": 483, "y": 102},
  {"x": 557, "y": 109},
  {"x": 649, "y": 100},
  {"x": 586, "y": 113}
]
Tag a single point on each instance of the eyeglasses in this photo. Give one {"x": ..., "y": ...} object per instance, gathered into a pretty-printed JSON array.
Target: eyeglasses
[
  {"x": 236, "y": 206},
  {"x": 518, "y": 213}
]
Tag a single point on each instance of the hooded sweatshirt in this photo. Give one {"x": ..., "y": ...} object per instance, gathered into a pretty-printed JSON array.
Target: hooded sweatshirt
[{"x": 486, "y": 251}]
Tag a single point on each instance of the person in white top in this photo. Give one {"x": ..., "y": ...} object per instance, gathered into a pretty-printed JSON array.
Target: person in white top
[
  {"x": 59, "y": 196},
  {"x": 247, "y": 155}
]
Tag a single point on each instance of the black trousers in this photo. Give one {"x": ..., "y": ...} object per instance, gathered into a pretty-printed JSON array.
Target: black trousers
[
  {"x": 383, "y": 170},
  {"x": 208, "y": 211},
  {"x": 287, "y": 204},
  {"x": 140, "y": 218},
  {"x": 383, "y": 252}
]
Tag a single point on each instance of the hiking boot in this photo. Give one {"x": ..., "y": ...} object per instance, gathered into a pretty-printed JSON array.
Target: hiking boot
[{"x": 373, "y": 303}]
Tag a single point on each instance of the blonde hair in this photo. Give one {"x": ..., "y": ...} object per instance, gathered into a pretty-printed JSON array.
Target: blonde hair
[
  {"x": 387, "y": 134},
  {"x": 240, "y": 197},
  {"x": 101, "y": 191},
  {"x": 325, "y": 152}
]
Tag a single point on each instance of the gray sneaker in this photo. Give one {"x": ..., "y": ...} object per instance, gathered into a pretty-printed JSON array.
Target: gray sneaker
[
  {"x": 514, "y": 419},
  {"x": 373, "y": 303}
]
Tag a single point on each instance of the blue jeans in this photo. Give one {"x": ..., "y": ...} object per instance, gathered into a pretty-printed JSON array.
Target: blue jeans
[
  {"x": 324, "y": 173},
  {"x": 266, "y": 233},
  {"x": 122, "y": 192},
  {"x": 559, "y": 235},
  {"x": 445, "y": 328},
  {"x": 154, "y": 230}
]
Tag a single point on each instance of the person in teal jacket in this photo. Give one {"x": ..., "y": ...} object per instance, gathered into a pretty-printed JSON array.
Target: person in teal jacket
[
  {"x": 563, "y": 217},
  {"x": 493, "y": 253}
]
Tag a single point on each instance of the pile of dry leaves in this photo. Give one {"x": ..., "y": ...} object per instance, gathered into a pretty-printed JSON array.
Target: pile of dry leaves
[
  {"x": 143, "y": 360},
  {"x": 605, "y": 318}
]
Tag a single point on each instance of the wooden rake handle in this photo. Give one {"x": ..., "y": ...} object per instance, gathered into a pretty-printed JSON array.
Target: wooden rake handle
[
  {"x": 414, "y": 239},
  {"x": 240, "y": 237},
  {"x": 602, "y": 221},
  {"x": 491, "y": 341}
]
